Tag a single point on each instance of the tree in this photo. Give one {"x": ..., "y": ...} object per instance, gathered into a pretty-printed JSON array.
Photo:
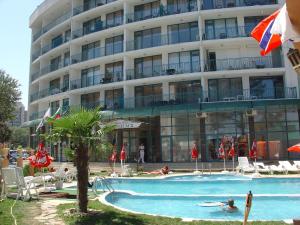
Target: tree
[
  {"x": 9, "y": 95},
  {"x": 19, "y": 136},
  {"x": 5, "y": 132},
  {"x": 84, "y": 129}
]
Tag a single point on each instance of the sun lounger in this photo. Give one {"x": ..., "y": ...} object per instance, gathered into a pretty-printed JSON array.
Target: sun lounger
[
  {"x": 261, "y": 167},
  {"x": 278, "y": 169},
  {"x": 244, "y": 166},
  {"x": 297, "y": 164},
  {"x": 289, "y": 167}
]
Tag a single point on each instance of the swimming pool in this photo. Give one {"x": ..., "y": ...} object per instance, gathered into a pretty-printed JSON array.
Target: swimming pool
[{"x": 179, "y": 196}]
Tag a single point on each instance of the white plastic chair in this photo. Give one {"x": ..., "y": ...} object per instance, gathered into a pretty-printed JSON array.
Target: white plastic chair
[
  {"x": 244, "y": 166},
  {"x": 289, "y": 167},
  {"x": 261, "y": 168},
  {"x": 10, "y": 180},
  {"x": 278, "y": 169}
]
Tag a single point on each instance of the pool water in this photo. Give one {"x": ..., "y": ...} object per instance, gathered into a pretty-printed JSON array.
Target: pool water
[{"x": 180, "y": 196}]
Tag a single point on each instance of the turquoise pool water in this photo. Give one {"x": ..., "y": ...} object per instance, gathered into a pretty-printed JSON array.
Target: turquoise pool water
[{"x": 274, "y": 198}]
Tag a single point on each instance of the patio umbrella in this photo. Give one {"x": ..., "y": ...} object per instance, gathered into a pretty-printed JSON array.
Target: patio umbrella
[
  {"x": 248, "y": 205},
  {"x": 113, "y": 158},
  {"x": 123, "y": 156},
  {"x": 195, "y": 155},
  {"x": 231, "y": 153},
  {"x": 294, "y": 148},
  {"x": 222, "y": 155},
  {"x": 41, "y": 158}
]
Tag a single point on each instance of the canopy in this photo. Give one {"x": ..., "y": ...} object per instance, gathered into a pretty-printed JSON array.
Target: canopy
[
  {"x": 294, "y": 148},
  {"x": 126, "y": 124}
]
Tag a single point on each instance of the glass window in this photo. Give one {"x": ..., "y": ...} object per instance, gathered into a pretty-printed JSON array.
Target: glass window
[
  {"x": 224, "y": 89},
  {"x": 184, "y": 62},
  {"x": 148, "y": 95},
  {"x": 114, "y": 71},
  {"x": 114, "y": 45},
  {"x": 147, "y": 66},
  {"x": 58, "y": 40},
  {"x": 67, "y": 35},
  {"x": 90, "y": 76},
  {"x": 114, "y": 99},
  {"x": 183, "y": 32},
  {"x": 267, "y": 87},
  {"x": 90, "y": 100},
  {"x": 221, "y": 28}
]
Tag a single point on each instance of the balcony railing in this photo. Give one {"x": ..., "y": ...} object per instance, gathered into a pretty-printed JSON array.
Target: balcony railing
[
  {"x": 48, "y": 92},
  {"x": 37, "y": 35},
  {"x": 224, "y": 33},
  {"x": 57, "y": 21},
  {"x": 37, "y": 115},
  {"x": 35, "y": 76},
  {"x": 96, "y": 80},
  {"x": 251, "y": 94},
  {"x": 97, "y": 53},
  {"x": 219, "y": 4},
  {"x": 159, "y": 12},
  {"x": 99, "y": 27},
  {"x": 35, "y": 55},
  {"x": 115, "y": 104},
  {"x": 51, "y": 46},
  {"x": 242, "y": 63},
  {"x": 89, "y": 6},
  {"x": 52, "y": 67},
  {"x": 163, "y": 70},
  {"x": 160, "y": 40}
]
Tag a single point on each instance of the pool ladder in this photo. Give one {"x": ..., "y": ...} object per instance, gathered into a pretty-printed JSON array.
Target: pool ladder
[{"x": 104, "y": 184}]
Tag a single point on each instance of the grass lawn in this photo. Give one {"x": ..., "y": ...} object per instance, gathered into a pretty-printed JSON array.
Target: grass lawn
[
  {"x": 23, "y": 211},
  {"x": 110, "y": 216}
]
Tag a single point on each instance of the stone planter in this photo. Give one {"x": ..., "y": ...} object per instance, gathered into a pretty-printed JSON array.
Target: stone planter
[{"x": 4, "y": 154}]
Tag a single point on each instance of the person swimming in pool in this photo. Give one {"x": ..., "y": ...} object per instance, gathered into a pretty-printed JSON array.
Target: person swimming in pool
[{"x": 229, "y": 206}]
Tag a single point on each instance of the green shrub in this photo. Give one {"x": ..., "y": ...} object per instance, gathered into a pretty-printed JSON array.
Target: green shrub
[{"x": 26, "y": 170}]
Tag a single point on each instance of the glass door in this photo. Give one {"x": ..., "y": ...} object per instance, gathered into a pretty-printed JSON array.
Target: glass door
[{"x": 166, "y": 146}]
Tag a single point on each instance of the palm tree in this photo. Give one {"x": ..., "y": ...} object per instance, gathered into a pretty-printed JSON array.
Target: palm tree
[{"x": 84, "y": 129}]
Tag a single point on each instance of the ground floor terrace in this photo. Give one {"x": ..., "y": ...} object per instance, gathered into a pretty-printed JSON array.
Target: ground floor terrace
[{"x": 169, "y": 132}]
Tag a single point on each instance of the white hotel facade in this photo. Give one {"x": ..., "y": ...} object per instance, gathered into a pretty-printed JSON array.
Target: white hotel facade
[{"x": 187, "y": 69}]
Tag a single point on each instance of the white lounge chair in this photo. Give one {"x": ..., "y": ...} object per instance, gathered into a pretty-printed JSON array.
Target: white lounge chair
[
  {"x": 289, "y": 167},
  {"x": 278, "y": 169},
  {"x": 61, "y": 174},
  {"x": 297, "y": 164},
  {"x": 244, "y": 166},
  {"x": 261, "y": 167}
]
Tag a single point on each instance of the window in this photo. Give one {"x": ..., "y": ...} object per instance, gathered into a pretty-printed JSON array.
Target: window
[
  {"x": 90, "y": 76},
  {"x": 54, "y": 86},
  {"x": 114, "y": 19},
  {"x": 185, "y": 91},
  {"x": 91, "y": 51},
  {"x": 92, "y": 26},
  {"x": 66, "y": 80},
  {"x": 185, "y": 62},
  {"x": 67, "y": 59},
  {"x": 58, "y": 40},
  {"x": 67, "y": 36},
  {"x": 114, "y": 45},
  {"x": 89, "y": 4},
  {"x": 148, "y": 95},
  {"x": 147, "y": 66},
  {"x": 65, "y": 105},
  {"x": 54, "y": 107},
  {"x": 181, "y": 6},
  {"x": 55, "y": 63},
  {"x": 267, "y": 87},
  {"x": 223, "y": 89},
  {"x": 146, "y": 11},
  {"x": 184, "y": 32},
  {"x": 114, "y": 71},
  {"x": 114, "y": 99},
  {"x": 147, "y": 38},
  {"x": 221, "y": 28},
  {"x": 90, "y": 100}
]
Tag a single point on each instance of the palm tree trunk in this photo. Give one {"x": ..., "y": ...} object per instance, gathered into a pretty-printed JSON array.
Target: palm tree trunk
[{"x": 82, "y": 177}]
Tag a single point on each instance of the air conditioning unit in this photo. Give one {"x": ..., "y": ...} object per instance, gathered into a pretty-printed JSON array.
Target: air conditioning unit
[
  {"x": 251, "y": 112},
  {"x": 201, "y": 115}
]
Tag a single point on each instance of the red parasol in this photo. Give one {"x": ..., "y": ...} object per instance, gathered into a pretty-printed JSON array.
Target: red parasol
[
  {"x": 123, "y": 153},
  {"x": 221, "y": 151},
  {"x": 195, "y": 152},
  {"x": 294, "y": 148},
  {"x": 253, "y": 150},
  {"x": 41, "y": 158}
]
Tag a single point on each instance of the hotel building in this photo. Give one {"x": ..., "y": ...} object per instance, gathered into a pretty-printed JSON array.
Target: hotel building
[{"x": 186, "y": 69}]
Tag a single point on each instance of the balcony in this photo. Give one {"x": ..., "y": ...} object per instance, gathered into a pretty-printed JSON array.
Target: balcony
[
  {"x": 163, "y": 70},
  {"x": 225, "y": 33},
  {"x": 159, "y": 40},
  {"x": 99, "y": 27},
  {"x": 51, "y": 46},
  {"x": 242, "y": 63},
  {"x": 48, "y": 92},
  {"x": 57, "y": 21},
  {"x": 96, "y": 80},
  {"x": 35, "y": 55},
  {"x": 220, "y": 4},
  {"x": 251, "y": 94},
  {"x": 97, "y": 53},
  {"x": 159, "y": 12},
  {"x": 37, "y": 115},
  {"x": 89, "y": 6},
  {"x": 37, "y": 35}
]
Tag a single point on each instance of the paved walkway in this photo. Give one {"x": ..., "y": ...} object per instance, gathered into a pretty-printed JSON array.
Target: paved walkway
[{"x": 49, "y": 213}]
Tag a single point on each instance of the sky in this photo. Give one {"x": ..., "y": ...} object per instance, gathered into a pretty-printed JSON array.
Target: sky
[{"x": 15, "y": 40}]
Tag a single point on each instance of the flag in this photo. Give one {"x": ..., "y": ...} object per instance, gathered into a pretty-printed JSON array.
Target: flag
[
  {"x": 231, "y": 151},
  {"x": 262, "y": 33},
  {"x": 283, "y": 26},
  {"x": 221, "y": 152},
  {"x": 57, "y": 114},
  {"x": 253, "y": 150},
  {"x": 46, "y": 115}
]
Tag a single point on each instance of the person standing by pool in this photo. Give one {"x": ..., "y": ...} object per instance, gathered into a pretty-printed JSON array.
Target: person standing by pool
[
  {"x": 141, "y": 153},
  {"x": 123, "y": 156}
]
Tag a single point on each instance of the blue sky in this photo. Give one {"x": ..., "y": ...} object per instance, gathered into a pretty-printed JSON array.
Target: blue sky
[{"x": 15, "y": 40}]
